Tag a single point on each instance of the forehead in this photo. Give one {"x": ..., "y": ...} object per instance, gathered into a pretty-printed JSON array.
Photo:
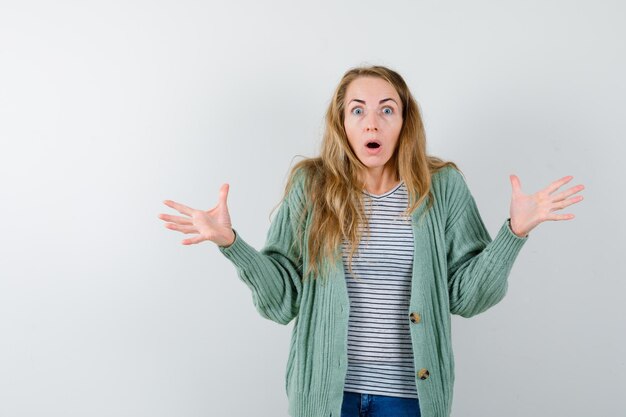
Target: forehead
[{"x": 371, "y": 89}]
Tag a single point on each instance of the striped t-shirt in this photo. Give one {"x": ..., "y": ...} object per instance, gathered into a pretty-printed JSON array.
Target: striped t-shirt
[{"x": 380, "y": 355}]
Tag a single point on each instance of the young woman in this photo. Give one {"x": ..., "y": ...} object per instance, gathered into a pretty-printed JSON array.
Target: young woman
[{"x": 374, "y": 246}]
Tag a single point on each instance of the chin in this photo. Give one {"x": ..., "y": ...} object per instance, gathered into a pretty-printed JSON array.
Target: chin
[{"x": 376, "y": 164}]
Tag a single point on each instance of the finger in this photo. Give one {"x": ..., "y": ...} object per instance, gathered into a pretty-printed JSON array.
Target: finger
[
  {"x": 224, "y": 194},
  {"x": 175, "y": 219},
  {"x": 563, "y": 195},
  {"x": 515, "y": 184},
  {"x": 564, "y": 203},
  {"x": 180, "y": 207},
  {"x": 558, "y": 184},
  {"x": 193, "y": 240},
  {"x": 184, "y": 229},
  {"x": 557, "y": 217}
]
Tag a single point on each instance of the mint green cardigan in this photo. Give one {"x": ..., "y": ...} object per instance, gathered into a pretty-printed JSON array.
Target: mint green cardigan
[{"x": 457, "y": 269}]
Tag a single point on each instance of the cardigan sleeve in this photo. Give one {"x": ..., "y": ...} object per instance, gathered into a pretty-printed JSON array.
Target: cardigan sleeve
[
  {"x": 273, "y": 273},
  {"x": 478, "y": 267}
]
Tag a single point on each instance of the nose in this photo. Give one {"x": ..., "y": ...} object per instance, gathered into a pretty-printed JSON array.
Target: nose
[{"x": 371, "y": 123}]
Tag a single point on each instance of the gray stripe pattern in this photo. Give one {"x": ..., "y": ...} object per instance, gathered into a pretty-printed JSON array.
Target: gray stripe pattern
[{"x": 380, "y": 355}]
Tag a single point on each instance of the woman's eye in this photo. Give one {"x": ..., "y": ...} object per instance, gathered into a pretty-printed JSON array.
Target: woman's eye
[
  {"x": 357, "y": 109},
  {"x": 390, "y": 110}
]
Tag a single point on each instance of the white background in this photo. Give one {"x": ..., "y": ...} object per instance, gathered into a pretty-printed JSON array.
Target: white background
[{"x": 109, "y": 108}]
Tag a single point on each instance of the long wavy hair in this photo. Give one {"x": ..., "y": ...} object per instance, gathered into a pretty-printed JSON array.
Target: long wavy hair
[{"x": 333, "y": 190}]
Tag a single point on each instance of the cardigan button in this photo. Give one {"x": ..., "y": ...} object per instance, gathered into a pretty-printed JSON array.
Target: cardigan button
[
  {"x": 423, "y": 373},
  {"x": 415, "y": 317}
]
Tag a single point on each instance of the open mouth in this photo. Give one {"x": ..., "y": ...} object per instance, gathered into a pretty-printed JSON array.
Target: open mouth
[{"x": 373, "y": 147}]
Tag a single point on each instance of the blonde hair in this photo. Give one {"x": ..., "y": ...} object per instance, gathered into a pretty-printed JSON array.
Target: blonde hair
[{"x": 332, "y": 187}]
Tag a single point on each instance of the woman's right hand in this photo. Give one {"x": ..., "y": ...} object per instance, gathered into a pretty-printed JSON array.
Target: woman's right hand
[{"x": 213, "y": 225}]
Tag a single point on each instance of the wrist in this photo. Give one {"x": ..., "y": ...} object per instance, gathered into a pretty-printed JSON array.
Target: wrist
[
  {"x": 230, "y": 239},
  {"x": 516, "y": 233}
]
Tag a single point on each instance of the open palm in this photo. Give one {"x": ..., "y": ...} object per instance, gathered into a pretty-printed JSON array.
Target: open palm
[
  {"x": 529, "y": 210},
  {"x": 213, "y": 225}
]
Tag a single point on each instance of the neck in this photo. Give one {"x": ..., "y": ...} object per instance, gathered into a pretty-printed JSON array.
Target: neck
[{"x": 379, "y": 180}]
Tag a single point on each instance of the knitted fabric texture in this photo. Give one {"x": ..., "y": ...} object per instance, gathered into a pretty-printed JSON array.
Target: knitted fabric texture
[{"x": 457, "y": 269}]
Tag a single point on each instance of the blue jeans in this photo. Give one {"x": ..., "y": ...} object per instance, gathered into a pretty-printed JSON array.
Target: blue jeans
[{"x": 372, "y": 405}]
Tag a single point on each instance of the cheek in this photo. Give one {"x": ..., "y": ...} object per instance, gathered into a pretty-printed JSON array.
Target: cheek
[
  {"x": 397, "y": 131},
  {"x": 350, "y": 133}
]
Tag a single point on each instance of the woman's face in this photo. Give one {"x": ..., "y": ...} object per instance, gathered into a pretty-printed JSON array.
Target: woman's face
[{"x": 372, "y": 115}]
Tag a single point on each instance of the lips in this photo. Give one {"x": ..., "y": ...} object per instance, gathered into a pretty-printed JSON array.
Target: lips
[
  {"x": 373, "y": 144},
  {"x": 373, "y": 147}
]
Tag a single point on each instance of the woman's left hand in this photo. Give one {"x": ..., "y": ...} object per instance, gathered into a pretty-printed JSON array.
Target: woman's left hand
[{"x": 527, "y": 211}]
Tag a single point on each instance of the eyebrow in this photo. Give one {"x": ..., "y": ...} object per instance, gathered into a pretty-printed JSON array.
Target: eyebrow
[{"x": 380, "y": 102}]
